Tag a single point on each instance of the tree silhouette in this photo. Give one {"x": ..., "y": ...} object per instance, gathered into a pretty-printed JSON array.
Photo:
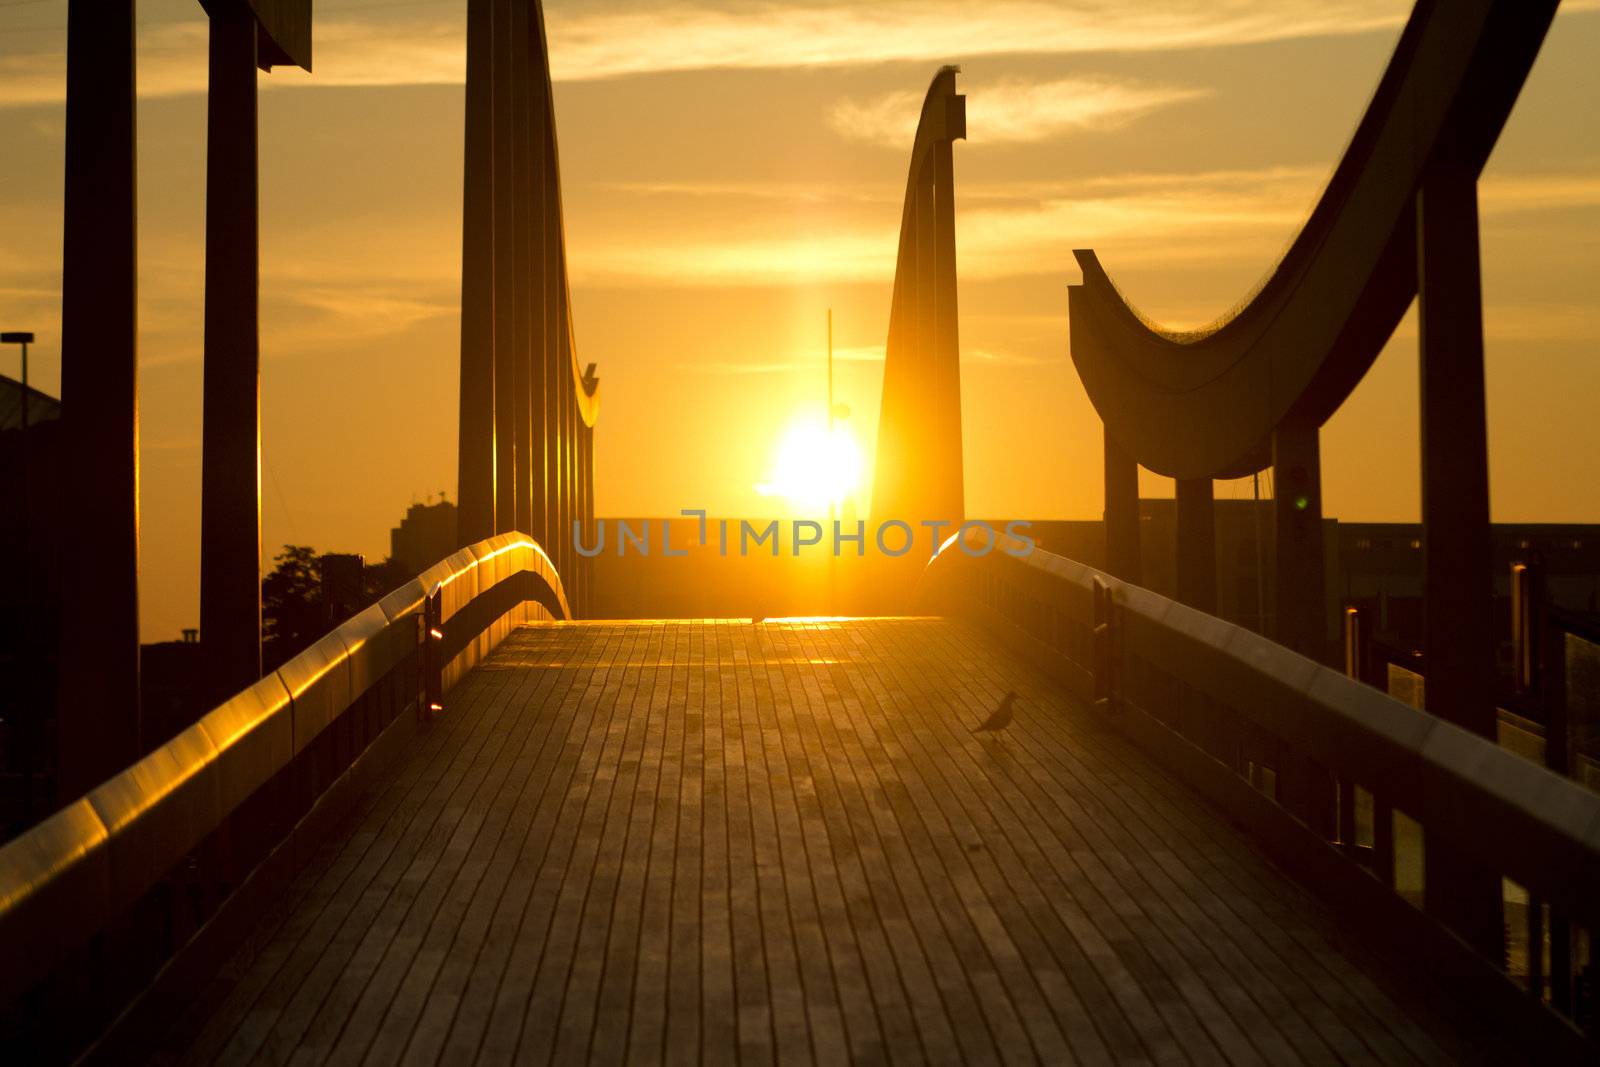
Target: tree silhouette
[{"x": 292, "y": 608}]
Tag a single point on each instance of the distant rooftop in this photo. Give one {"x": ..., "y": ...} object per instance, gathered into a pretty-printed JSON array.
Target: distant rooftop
[{"x": 41, "y": 406}]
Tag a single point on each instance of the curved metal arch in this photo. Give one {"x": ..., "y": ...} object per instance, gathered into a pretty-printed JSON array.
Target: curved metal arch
[
  {"x": 585, "y": 388},
  {"x": 918, "y": 471},
  {"x": 1204, "y": 404}
]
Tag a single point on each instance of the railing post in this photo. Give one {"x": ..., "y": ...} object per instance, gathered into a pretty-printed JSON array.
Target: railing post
[
  {"x": 1352, "y": 669},
  {"x": 1123, "y": 556},
  {"x": 432, "y": 656},
  {"x": 1105, "y": 648},
  {"x": 1525, "y": 648},
  {"x": 1540, "y": 643},
  {"x": 1197, "y": 544}
]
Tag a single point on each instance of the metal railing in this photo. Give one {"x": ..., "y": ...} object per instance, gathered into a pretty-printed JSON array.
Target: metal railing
[
  {"x": 99, "y": 899},
  {"x": 1269, "y": 736}
]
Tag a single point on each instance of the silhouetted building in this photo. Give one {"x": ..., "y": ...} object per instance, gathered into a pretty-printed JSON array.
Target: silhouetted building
[
  {"x": 343, "y": 585},
  {"x": 1372, "y": 566},
  {"x": 30, "y": 526},
  {"x": 14, "y": 398},
  {"x": 425, "y": 536},
  {"x": 169, "y": 694}
]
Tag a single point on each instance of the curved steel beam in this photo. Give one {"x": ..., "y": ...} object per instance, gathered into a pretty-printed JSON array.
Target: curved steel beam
[
  {"x": 585, "y": 387},
  {"x": 1204, "y": 404},
  {"x": 918, "y": 465}
]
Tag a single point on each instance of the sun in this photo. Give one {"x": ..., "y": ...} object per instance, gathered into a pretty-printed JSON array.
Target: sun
[{"x": 812, "y": 469}]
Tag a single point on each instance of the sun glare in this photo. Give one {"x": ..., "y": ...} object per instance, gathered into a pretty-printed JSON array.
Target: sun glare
[{"x": 812, "y": 469}]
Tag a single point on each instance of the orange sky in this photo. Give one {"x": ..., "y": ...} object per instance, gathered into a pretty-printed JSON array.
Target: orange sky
[{"x": 730, "y": 172}]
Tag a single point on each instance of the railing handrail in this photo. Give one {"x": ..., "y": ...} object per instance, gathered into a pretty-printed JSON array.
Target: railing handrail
[
  {"x": 101, "y": 852},
  {"x": 1513, "y": 815}
]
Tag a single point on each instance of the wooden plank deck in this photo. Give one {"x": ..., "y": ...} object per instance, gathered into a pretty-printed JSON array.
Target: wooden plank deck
[{"x": 725, "y": 842}]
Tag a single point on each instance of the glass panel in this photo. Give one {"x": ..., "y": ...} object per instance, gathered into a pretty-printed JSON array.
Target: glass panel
[
  {"x": 1363, "y": 806},
  {"x": 1522, "y": 736},
  {"x": 1514, "y": 900},
  {"x": 1405, "y": 686},
  {"x": 1408, "y": 858}
]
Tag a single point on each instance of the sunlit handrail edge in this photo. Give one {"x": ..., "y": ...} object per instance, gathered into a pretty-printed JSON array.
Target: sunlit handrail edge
[
  {"x": 1513, "y": 815},
  {"x": 100, "y": 852}
]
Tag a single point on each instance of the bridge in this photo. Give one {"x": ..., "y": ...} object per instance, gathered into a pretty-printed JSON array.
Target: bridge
[{"x": 1030, "y": 810}]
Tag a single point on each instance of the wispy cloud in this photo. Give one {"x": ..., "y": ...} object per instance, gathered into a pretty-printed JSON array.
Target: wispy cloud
[
  {"x": 973, "y": 355},
  {"x": 1011, "y": 111},
  {"x": 595, "y": 39},
  {"x": 810, "y": 192},
  {"x": 610, "y": 39},
  {"x": 781, "y": 259},
  {"x": 363, "y": 311},
  {"x": 1000, "y": 358},
  {"x": 851, "y": 354},
  {"x": 687, "y": 36},
  {"x": 1515, "y": 193},
  {"x": 1005, "y": 229}
]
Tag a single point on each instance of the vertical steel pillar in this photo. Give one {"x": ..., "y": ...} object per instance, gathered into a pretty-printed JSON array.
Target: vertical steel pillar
[
  {"x": 521, "y": 234},
  {"x": 230, "y": 473},
  {"x": 924, "y": 468},
  {"x": 1123, "y": 556},
  {"x": 919, "y": 429},
  {"x": 1458, "y": 635},
  {"x": 1300, "y": 593},
  {"x": 946, "y": 371},
  {"x": 541, "y": 522},
  {"x": 504, "y": 255},
  {"x": 554, "y": 319},
  {"x": 1197, "y": 544},
  {"x": 475, "y": 490},
  {"x": 98, "y": 691},
  {"x": 1300, "y": 584}
]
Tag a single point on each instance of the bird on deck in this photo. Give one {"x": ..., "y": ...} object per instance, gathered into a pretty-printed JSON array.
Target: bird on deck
[{"x": 1001, "y": 718}]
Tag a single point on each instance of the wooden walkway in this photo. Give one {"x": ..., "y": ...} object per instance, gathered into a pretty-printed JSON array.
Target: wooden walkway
[{"x": 721, "y": 841}]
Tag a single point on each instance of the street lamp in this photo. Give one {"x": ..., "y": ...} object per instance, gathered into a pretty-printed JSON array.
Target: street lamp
[{"x": 23, "y": 338}]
